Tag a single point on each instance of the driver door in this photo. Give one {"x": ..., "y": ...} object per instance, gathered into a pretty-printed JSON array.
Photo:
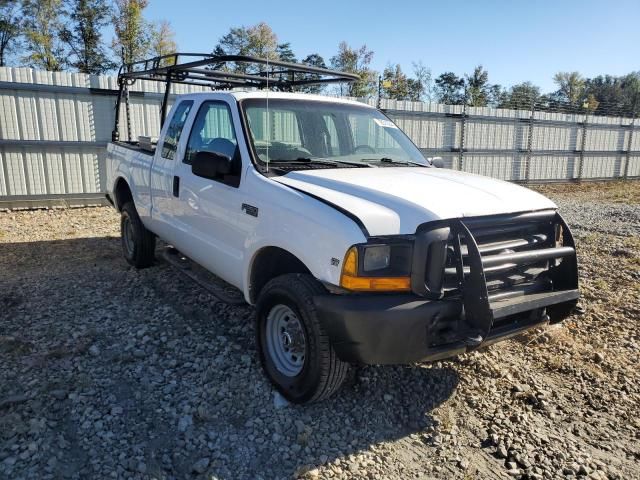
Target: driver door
[{"x": 208, "y": 210}]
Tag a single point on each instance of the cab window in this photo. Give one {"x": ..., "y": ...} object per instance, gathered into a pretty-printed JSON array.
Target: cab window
[
  {"x": 172, "y": 137},
  {"x": 212, "y": 131}
]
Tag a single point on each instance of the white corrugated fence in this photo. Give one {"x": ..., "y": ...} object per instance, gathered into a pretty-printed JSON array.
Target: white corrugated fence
[{"x": 54, "y": 128}]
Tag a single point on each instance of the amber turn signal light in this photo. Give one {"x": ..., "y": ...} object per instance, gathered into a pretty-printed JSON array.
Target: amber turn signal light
[{"x": 351, "y": 281}]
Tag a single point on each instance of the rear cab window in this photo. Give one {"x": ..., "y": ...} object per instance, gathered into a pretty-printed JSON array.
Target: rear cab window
[{"x": 172, "y": 137}]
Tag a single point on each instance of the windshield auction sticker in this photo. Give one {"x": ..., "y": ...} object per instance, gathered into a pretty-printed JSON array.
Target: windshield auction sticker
[{"x": 383, "y": 122}]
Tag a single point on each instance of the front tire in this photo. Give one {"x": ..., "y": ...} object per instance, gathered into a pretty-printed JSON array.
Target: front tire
[
  {"x": 294, "y": 348},
  {"x": 138, "y": 243}
]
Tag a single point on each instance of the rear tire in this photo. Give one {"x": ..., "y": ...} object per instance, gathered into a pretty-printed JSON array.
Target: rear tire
[
  {"x": 293, "y": 345},
  {"x": 138, "y": 243}
]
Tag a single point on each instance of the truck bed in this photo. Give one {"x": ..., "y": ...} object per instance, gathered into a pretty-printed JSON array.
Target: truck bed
[{"x": 135, "y": 146}]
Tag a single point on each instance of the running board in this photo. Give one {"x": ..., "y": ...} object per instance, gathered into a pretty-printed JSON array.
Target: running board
[{"x": 213, "y": 284}]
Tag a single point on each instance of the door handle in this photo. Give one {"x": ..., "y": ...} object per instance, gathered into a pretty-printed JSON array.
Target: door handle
[{"x": 176, "y": 186}]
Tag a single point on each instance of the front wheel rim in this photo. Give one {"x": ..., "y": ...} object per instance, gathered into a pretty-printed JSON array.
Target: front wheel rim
[{"x": 285, "y": 340}]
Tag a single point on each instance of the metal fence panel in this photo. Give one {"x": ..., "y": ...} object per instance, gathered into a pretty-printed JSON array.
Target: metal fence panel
[
  {"x": 634, "y": 166},
  {"x": 553, "y": 167},
  {"x": 54, "y": 127}
]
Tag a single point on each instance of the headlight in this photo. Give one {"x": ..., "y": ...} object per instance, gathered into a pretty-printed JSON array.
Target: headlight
[
  {"x": 379, "y": 267},
  {"x": 376, "y": 258}
]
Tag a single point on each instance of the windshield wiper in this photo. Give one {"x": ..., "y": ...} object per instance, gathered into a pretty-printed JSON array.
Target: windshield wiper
[
  {"x": 302, "y": 160},
  {"x": 355, "y": 164},
  {"x": 396, "y": 162},
  {"x": 321, "y": 161}
]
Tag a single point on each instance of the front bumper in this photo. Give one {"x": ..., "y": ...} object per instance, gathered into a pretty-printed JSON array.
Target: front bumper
[
  {"x": 434, "y": 322},
  {"x": 403, "y": 329}
]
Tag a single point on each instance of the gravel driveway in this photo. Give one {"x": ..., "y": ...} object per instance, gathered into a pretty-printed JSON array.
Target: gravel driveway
[{"x": 108, "y": 372}]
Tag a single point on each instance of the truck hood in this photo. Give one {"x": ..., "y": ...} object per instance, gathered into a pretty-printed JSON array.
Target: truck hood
[{"x": 396, "y": 200}]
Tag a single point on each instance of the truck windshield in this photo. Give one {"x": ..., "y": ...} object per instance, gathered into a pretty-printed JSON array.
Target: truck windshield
[{"x": 308, "y": 131}]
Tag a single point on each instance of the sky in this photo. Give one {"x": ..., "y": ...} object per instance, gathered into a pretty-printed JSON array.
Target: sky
[{"x": 514, "y": 40}]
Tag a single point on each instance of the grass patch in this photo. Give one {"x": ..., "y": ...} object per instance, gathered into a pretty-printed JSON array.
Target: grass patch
[{"x": 622, "y": 191}]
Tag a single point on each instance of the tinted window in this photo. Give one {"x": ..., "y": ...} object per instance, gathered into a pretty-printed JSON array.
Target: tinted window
[
  {"x": 174, "y": 130},
  {"x": 212, "y": 132}
]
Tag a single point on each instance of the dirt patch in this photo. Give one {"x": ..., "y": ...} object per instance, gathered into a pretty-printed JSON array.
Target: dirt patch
[{"x": 623, "y": 191}]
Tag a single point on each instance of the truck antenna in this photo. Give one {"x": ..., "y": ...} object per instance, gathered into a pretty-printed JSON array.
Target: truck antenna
[{"x": 268, "y": 118}]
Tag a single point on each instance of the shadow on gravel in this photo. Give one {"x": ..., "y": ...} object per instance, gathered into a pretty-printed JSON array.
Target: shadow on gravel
[
  {"x": 46, "y": 256},
  {"x": 375, "y": 406},
  {"x": 143, "y": 374},
  {"x": 384, "y": 404}
]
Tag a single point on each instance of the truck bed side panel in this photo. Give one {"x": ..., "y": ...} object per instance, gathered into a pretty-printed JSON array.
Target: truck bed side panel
[{"x": 133, "y": 165}]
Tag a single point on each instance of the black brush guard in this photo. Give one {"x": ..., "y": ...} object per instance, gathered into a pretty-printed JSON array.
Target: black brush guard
[
  {"x": 451, "y": 261},
  {"x": 474, "y": 281}
]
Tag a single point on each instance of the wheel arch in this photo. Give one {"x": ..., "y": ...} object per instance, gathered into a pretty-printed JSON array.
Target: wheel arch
[
  {"x": 269, "y": 262},
  {"x": 121, "y": 193}
]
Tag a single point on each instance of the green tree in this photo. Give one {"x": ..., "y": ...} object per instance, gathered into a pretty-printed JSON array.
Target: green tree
[
  {"x": 263, "y": 42},
  {"x": 399, "y": 86},
  {"x": 356, "y": 61},
  {"x": 314, "y": 60},
  {"x": 479, "y": 91},
  {"x": 421, "y": 87},
  {"x": 42, "y": 26},
  {"x": 631, "y": 93},
  {"x": 395, "y": 84},
  {"x": 590, "y": 103},
  {"x": 449, "y": 89},
  {"x": 570, "y": 86},
  {"x": 84, "y": 38},
  {"x": 257, "y": 41},
  {"x": 236, "y": 42},
  {"x": 615, "y": 95},
  {"x": 495, "y": 94},
  {"x": 520, "y": 96},
  {"x": 163, "y": 41},
  {"x": 607, "y": 89},
  {"x": 285, "y": 53},
  {"x": 132, "y": 33},
  {"x": 9, "y": 29}
]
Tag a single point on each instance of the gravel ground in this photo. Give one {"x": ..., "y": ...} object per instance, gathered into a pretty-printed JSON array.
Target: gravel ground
[{"x": 108, "y": 372}]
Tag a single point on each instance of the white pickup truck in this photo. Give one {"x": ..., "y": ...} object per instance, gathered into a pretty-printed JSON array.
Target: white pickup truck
[{"x": 351, "y": 245}]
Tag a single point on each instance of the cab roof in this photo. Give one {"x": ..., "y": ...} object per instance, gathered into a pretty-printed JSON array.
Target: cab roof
[{"x": 238, "y": 95}]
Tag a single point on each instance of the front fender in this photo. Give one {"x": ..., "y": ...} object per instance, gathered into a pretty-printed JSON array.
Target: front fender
[{"x": 314, "y": 232}]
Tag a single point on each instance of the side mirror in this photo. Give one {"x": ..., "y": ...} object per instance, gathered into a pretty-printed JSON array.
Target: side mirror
[
  {"x": 437, "y": 162},
  {"x": 211, "y": 165}
]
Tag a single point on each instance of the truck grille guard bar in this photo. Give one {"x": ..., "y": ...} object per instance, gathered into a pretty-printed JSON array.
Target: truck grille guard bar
[{"x": 450, "y": 261}]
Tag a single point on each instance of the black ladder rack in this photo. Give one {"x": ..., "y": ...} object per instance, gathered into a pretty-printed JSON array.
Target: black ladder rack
[{"x": 219, "y": 72}]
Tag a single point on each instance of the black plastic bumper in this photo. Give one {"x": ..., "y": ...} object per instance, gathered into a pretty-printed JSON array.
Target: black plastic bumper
[
  {"x": 382, "y": 329},
  {"x": 399, "y": 329},
  {"x": 429, "y": 324}
]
